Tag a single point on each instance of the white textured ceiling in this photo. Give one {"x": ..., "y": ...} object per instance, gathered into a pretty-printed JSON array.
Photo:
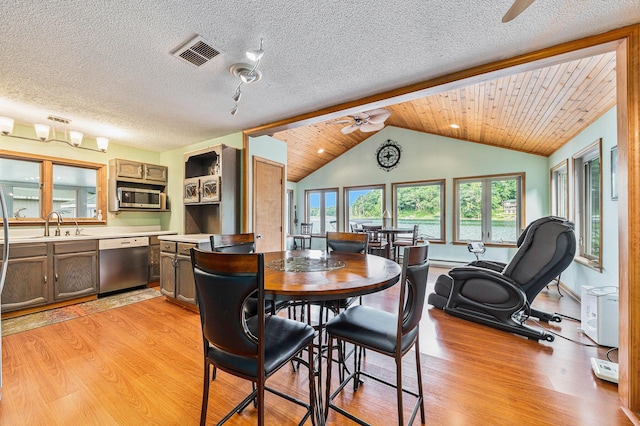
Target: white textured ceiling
[{"x": 107, "y": 65}]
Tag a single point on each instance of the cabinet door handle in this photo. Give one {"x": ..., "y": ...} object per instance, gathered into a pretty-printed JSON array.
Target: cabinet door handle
[
  {"x": 45, "y": 279},
  {"x": 55, "y": 276}
]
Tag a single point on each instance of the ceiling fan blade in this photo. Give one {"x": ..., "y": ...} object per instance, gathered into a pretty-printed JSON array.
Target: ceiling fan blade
[
  {"x": 516, "y": 9},
  {"x": 341, "y": 121},
  {"x": 371, "y": 127},
  {"x": 378, "y": 116},
  {"x": 348, "y": 129}
]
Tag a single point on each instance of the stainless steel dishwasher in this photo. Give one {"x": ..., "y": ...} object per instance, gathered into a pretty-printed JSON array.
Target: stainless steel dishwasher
[{"x": 124, "y": 263}]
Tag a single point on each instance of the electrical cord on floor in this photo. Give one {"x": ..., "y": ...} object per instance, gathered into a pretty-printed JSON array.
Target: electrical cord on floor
[
  {"x": 609, "y": 351},
  {"x": 561, "y": 336},
  {"x": 568, "y": 317}
]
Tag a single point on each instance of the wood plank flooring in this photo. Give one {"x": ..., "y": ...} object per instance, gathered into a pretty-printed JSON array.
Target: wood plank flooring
[{"x": 142, "y": 365}]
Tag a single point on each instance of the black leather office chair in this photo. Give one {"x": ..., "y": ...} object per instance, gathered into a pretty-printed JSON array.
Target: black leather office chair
[
  {"x": 502, "y": 298},
  {"x": 252, "y": 348},
  {"x": 391, "y": 334}
]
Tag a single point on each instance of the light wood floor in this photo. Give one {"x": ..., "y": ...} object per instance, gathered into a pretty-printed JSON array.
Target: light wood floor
[{"x": 142, "y": 365}]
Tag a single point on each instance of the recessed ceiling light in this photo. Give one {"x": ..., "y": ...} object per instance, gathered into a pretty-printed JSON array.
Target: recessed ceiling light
[
  {"x": 454, "y": 126},
  {"x": 321, "y": 150}
]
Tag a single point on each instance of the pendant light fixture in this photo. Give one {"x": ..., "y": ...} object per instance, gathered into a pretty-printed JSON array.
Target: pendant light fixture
[{"x": 73, "y": 138}]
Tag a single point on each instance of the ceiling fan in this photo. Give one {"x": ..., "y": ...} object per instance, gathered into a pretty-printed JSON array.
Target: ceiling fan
[
  {"x": 516, "y": 9},
  {"x": 367, "y": 121}
]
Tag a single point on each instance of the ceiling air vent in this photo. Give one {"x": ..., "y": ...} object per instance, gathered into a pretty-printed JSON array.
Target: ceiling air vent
[{"x": 196, "y": 52}]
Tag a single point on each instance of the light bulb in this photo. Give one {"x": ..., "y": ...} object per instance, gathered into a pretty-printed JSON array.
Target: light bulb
[
  {"x": 103, "y": 143},
  {"x": 6, "y": 125},
  {"x": 76, "y": 137},
  {"x": 42, "y": 131}
]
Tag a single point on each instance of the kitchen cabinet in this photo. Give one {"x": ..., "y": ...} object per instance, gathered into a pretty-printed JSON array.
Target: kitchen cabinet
[
  {"x": 154, "y": 258},
  {"x": 176, "y": 272},
  {"x": 26, "y": 284},
  {"x": 75, "y": 269},
  {"x": 135, "y": 171},
  {"x": 168, "y": 268},
  {"x": 211, "y": 191},
  {"x": 185, "y": 283}
]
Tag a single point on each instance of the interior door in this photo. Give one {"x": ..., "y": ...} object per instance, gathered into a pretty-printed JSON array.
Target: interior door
[{"x": 268, "y": 204}]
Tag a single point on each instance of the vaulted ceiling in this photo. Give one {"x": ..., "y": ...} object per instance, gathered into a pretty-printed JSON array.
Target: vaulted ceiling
[{"x": 535, "y": 111}]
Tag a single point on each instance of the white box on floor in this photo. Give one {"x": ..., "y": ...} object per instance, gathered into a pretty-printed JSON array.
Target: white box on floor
[{"x": 599, "y": 314}]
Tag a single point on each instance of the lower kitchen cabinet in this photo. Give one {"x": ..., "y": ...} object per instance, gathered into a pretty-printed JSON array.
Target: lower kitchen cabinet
[
  {"x": 154, "y": 259},
  {"x": 176, "y": 272},
  {"x": 75, "y": 269},
  {"x": 26, "y": 284}
]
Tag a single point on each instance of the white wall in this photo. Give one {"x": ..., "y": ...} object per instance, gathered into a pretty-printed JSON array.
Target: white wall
[
  {"x": 426, "y": 157},
  {"x": 577, "y": 274}
]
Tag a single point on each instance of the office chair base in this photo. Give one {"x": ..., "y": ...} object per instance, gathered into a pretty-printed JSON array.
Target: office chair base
[{"x": 509, "y": 326}]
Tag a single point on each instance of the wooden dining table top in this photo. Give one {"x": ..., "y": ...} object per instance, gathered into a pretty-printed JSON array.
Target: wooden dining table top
[{"x": 361, "y": 274}]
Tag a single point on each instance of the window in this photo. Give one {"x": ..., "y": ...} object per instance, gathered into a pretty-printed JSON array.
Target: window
[
  {"x": 588, "y": 190},
  {"x": 35, "y": 186},
  {"x": 420, "y": 203},
  {"x": 365, "y": 205},
  {"x": 489, "y": 208},
  {"x": 560, "y": 190},
  {"x": 321, "y": 209}
]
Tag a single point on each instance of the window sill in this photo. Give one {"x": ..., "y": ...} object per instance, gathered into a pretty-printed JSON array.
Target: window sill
[{"x": 589, "y": 263}]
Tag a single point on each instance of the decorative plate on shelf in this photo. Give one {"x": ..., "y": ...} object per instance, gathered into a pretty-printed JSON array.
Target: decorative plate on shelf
[{"x": 388, "y": 155}]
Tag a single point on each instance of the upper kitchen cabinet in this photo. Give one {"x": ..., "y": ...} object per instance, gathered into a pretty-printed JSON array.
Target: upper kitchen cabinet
[
  {"x": 211, "y": 192},
  {"x": 135, "y": 171},
  {"x": 137, "y": 186}
]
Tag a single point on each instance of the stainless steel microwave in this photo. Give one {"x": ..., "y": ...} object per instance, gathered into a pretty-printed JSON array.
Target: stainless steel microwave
[{"x": 139, "y": 198}]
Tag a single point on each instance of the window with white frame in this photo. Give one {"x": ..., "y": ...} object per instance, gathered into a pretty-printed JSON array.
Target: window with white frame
[
  {"x": 560, "y": 189},
  {"x": 365, "y": 205},
  {"x": 587, "y": 168},
  {"x": 321, "y": 209},
  {"x": 489, "y": 208},
  {"x": 422, "y": 204}
]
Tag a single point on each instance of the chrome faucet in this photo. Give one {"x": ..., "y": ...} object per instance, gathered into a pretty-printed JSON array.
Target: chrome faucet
[
  {"x": 46, "y": 223},
  {"x": 16, "y": 212}
]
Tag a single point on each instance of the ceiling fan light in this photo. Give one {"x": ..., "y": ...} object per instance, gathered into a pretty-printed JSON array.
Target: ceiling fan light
[
  {"x": 76, "y": 138},
  {"x": 103, "y": 143},
  {"x": 42, "y": 131},
  {"x": 6, "y": 125}
]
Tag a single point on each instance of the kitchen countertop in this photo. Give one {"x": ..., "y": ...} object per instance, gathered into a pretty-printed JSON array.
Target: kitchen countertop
[
  {"x": 187, "y": 238},
  {"x": 86, "y": 234}
]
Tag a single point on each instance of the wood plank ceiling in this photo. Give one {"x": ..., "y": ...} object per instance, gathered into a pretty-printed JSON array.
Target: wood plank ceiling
[{"x": 535, "y": 112}]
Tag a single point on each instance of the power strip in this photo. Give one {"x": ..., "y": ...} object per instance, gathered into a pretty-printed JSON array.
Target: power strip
[{"x": 605, "y": 370}]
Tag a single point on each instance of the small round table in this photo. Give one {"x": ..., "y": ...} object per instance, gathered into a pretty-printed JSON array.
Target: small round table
[
  {"x": 361, "y": 274},
  {"x": 317, "y": 276}
]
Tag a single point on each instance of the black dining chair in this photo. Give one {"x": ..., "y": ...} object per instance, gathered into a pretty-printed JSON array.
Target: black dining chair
[
  {"x": 233, "y": 243},
  {"x": 252, "y": 348},
  {"x": 378, "y": 245},
  {"x": 306, "y": 230},
  {"x": 390, "y": 334},
  {"x": 404, "y": 240},
  {"x": 243, "y": 243}
]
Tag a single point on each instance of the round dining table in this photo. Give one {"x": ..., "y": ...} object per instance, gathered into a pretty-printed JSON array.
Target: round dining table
[{"x": 317, "y": 276}]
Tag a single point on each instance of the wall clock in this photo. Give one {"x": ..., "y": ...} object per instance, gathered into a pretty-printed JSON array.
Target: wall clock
[{"x": 388, "y": 155}]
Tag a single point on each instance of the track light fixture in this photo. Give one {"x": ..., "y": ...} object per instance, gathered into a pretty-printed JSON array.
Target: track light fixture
[
  {"x": 73, "y": 138},
  {"x": 246, "y": 73}
]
